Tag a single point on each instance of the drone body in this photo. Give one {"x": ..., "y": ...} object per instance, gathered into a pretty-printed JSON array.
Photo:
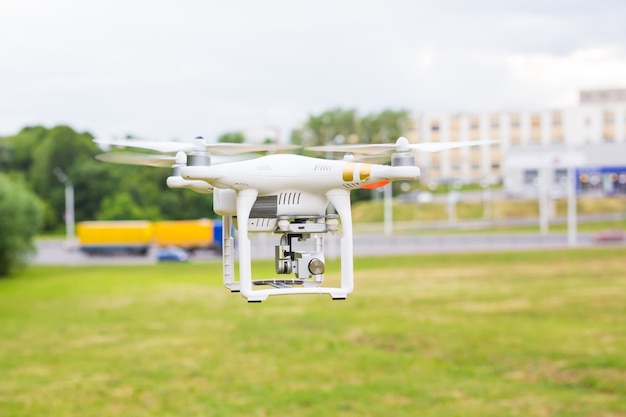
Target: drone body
[
  {"x": 299, "y": 183},
  {"x": 289, "y": 195},
  {"x": 284, "y": 194}
]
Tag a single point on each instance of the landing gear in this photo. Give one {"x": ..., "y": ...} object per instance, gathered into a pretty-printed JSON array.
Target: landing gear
[{"x": 299, "y": 253}]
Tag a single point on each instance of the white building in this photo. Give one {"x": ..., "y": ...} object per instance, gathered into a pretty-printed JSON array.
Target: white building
[{"x": 528, "y": 140}]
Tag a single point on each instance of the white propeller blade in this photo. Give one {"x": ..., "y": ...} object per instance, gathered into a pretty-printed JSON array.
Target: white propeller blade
[
  {"x": 442, "y": 146},
  {"x": 371, "y": 149},
  {"x": 235, "y": 148},
  {"x": 154, "y": 145},
  {"x": 199, "y": 145},
  {"x": 164, "y": 160},
  {"x": 137, "y": 159},
  {"x": 401, "y": 145}
]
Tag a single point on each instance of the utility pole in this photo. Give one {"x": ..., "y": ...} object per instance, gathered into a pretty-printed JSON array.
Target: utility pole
[
  {"x": 69, "y": 204},
  {"x": 388, "y": 209}
]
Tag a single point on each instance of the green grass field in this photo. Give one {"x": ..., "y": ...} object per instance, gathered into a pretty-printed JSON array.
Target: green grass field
[{"x": 498, "y": 334}]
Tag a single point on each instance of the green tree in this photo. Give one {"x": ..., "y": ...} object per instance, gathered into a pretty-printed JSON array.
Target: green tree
[
  {"x": 21, "y": 148},
  {"x": 384, "y": 127},
  {"x": 61, "y": 147},
  {"x": 231, "y": 137},
  {"x": 5, "y": 155},
  {"x": 322, "y": 129},
  {"x": 121, "y": 206},
  {"x": 20, "y": 218},
  {"x": 35, "y": 151}
]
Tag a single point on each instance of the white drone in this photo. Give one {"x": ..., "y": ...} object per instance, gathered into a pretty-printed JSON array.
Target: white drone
[{"x": 285, "y": 194}]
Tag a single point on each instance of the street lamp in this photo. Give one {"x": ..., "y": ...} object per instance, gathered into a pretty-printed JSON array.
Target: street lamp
[
  {"x": 69, "y": 203},
  {"x": 388, "y": 209},
  {"x": 452, "y": 200},
  {"x": 487, "y": 196}
]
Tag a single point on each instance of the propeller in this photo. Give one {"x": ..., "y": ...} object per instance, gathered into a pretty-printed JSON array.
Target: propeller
[
  {"x": 163, "y": 161},
  {"x": 199, "y": 152},
  {"x": 137, "y": 159},
  {"x": 198, "y": 145},
  {"x": 401, "y": 145},
  {"x": 196, "y": 153}
]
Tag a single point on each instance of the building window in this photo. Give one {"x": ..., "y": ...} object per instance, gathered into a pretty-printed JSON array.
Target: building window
[
  {"x": 474, "y": 128},
  {"x": 494, "y": 124},
  {"x": 560, "y": 176},
  {"x": 434, "y": 131},
  {"x": 455, "y": 129},
  {"x": 557, "y": 127},
  {"x": 609, "y": 126},
  {"x": 416, "y": 131},
  {"x": 516, "y": 136},
  {"x": 530, "y": 176},
  {"x": 535, "y": 128}
]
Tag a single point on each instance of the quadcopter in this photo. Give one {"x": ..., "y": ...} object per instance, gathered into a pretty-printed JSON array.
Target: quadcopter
[{"x": 285, "y": 194}]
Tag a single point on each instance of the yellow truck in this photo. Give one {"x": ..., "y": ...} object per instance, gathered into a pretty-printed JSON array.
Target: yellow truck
[
  {"x": 136, "y": 237},
  {"x": 188, "y": 234},
  {"x": 104, "y": 237}
]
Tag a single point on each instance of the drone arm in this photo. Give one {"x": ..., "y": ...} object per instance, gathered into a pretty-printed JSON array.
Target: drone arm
[
  {"x": 391, "y": 173},
  {"x": 340, "y": 199},
  {"x": 198, "y": 186},
  {"x": 245, "y": 200}
]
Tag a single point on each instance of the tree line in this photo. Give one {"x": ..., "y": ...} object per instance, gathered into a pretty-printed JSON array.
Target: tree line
[
  {"x": 102, "y": 191},
  {"x": 347, "y": 125},
  {"x": 106, "y": 191}
]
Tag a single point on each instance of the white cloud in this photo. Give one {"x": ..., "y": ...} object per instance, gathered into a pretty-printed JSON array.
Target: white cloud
[
  {"x": 177, "y": 69},
  {"x": 556, "y": 79}
]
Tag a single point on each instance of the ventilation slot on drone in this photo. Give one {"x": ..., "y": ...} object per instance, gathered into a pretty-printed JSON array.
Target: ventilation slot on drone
[
  {"x": 351, "y": 185},
  {"x": 240, "y": 186},
  {"x": 322, "y": 168},
  {"x": 289, "y": 198}
]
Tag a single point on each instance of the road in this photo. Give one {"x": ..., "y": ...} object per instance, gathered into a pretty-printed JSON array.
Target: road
[{"x": 55, "y": 252}]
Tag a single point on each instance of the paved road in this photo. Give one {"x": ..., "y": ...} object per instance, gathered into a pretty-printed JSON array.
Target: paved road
[{"x": 55, "y": 252}]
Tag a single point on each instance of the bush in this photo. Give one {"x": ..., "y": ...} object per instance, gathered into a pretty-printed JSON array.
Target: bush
[{"x": 21, "y": 216}]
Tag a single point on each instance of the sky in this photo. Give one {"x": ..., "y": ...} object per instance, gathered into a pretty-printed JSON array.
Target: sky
[{"x": 178, "y": 69}]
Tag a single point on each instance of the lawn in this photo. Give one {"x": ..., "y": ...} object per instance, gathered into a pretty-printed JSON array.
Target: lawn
[{"x": 497, "y": 334}]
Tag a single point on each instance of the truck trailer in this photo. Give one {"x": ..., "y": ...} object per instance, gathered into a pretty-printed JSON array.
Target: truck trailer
[
  {"x": 188, "y": 234},
  {"x": 107, "y": 237},
  {"x": 136, "y": 237}
]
